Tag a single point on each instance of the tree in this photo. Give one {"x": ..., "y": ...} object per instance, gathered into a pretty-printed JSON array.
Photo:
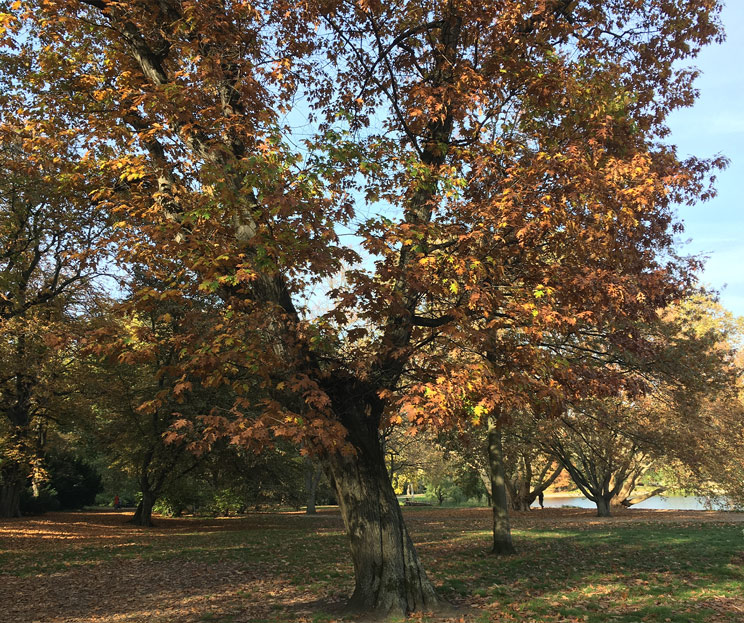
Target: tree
[
  {"x": 514, "y": 148},
  {"x": 138, "y": 390},
  {"x": 49, "y": 247},
  {"x": 608, "y": 444},
  {"x": 599, "y": 453},
  {"x": 528, "y": 469},
  {"x": 707, "y": 447},
  {"x": 74, "y": 481},
  {"x": 312, "y": 474},
  {"x": 502, "y": 541}
]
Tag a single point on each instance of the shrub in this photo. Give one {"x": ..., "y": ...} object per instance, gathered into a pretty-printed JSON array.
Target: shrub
[
  {"x": 74, "y": 480},
  {"x": 46, "y": 501}
]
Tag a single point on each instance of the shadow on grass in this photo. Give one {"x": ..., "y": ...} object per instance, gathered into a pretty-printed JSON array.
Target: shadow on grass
[
  {"x": 617, "y": 573},
  {"x": 288, "y": 568}
]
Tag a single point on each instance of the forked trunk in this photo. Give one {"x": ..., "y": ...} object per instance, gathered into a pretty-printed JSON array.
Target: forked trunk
[
  {"x": 389, "y": 578},
  {"x": 143, "y": 514},
  {"x": 502, "y": 541},
  {"x": 603, "y": 507},
  {"x": 10, "y": 499},
  {"x": 521, "y": 502}
]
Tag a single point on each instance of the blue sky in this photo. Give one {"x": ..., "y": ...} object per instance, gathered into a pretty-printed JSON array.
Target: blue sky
[{"x": 716, "y": 125}]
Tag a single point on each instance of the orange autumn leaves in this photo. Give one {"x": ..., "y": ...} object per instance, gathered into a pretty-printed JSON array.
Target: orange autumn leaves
[{"x": 525, "y": 197}]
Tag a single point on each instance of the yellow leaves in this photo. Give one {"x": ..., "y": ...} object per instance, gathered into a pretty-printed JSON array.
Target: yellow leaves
[
  {"x": 6, "y": 20},
  {"x": 541, "y": 291},
  {"x": 132, "y": 175},
  {"x": 478, "y": 412}
]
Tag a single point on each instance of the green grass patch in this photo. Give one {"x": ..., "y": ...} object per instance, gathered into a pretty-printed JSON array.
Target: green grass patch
[{"x": 624, "y": 572}]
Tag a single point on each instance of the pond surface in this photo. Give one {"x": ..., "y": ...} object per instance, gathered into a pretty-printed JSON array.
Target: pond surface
[{"x": 672, "y": 502}]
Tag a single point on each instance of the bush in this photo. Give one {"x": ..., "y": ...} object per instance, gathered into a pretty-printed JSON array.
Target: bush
[
  {"x": 46, "y": 501},
  {"x": 74, "y": 480}
]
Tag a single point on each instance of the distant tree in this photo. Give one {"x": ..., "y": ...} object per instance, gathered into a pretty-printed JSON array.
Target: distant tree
[
  {"x": 597, "y": 448},
  {"x": 609, "y": 444},
  {"x": 528, "y": 469},
  {"x": 138, "y": 392},
  {"x": 50, "y": 241}
]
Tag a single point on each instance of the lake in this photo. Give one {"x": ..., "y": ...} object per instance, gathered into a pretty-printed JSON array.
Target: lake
[{"x": 672, "y": 502}]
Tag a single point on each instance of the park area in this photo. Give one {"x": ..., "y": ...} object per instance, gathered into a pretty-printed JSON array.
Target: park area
[
  {"x": 640, "y": 565},
  {"x": 305, "y": 304}
]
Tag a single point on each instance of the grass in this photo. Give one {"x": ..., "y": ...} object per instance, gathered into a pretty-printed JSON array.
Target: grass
[{"x": 643, "y": 566}]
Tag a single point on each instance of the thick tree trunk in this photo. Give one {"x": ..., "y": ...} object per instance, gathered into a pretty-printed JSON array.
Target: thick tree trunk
[
  {"x": 143, "y": 514},
  {"x": 603, "y": 507},
  {"x": 389, "y": 578},
  {"x": 517, "y": 494},
  {"x": 10, "y": 499},
  {"x": 521, "y": 502},
  {"x": 502, "y": 541}
]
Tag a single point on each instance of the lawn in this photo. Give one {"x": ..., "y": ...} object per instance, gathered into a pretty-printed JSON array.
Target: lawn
[{"x": 655, "y": 566}]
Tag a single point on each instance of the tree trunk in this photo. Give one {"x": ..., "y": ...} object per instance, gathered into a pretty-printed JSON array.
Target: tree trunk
[
  {"x": 312, "y": 477},
  {"x": 521, "y": 501},
  {"x": 389, "y": 578},
  {"x": 502, "y": 541},
  {"x": 10, "y": 499},
  {"x": 603, "y": 507},
  {"x": 625, "y": 490},
  {"x": 628, "y": 502},
  {"x": 143, "y": 514}
]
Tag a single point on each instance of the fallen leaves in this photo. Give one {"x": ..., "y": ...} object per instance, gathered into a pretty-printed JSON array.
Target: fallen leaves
[{"x": 291, "y": 568}]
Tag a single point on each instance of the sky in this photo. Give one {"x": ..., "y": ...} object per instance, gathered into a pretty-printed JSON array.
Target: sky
[{"x": 715, "y": 125}]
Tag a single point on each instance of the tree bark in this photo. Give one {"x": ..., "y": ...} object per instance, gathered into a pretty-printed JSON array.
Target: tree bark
[
  {"x": 312, "y": 477},
  {"x": 502, "y": 541},
  {"x": 389, "y": 578},
  {"x": 143, "y": 514},
  {"x": 603, "y": 507},
  {"x": 628, "y": 502},
  {"x": 521, "y": 500},
  {"x": 10, "y": 499}
]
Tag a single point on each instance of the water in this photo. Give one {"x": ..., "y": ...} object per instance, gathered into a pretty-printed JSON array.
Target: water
[{"x": 670, "y": 502}]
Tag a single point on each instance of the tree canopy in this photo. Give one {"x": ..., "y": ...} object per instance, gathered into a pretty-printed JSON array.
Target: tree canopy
[{"x": 499, "y": 170}]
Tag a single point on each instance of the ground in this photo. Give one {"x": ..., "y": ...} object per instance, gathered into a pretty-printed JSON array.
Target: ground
[{"x": 651, "y": 566}]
